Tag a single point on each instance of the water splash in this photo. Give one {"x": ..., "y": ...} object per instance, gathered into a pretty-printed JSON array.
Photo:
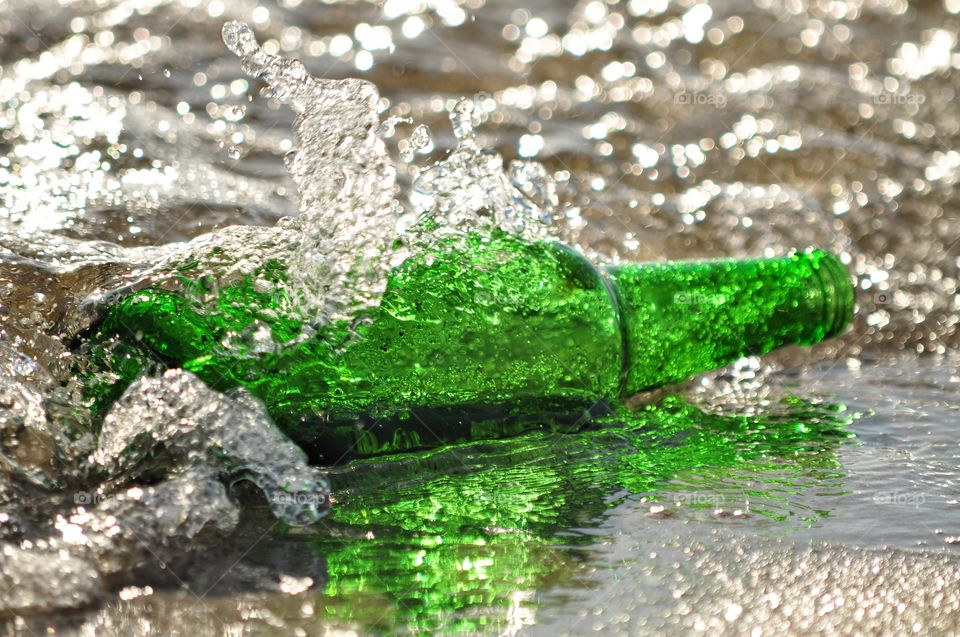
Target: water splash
[
  {"x": 470, "y": 189},
  {"x": 169, "y": 432},
  {"x": 350, "y": 218},
  {"x": 31, "y": 447},
  {"x": 346, "y": 179},
  {"x": 420, "y": 142},
  {"x": 172, "y": 421}
]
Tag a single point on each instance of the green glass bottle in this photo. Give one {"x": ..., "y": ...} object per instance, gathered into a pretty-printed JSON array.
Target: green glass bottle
[{"x": 478, "y": 337}]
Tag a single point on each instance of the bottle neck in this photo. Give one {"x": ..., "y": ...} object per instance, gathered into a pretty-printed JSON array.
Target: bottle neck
[{"x": 684, "y": 318}]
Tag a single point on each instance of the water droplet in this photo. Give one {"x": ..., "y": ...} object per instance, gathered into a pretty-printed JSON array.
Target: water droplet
[
  {"x": 419, "y": 142},
  {"x": 239, "y": 38},
  {"x": 420, "y": 139},
  {"x": 235, "y": 113},
  {"x": 389, "y": 126},
  {"x": 297, "y": 70},
  {"x": 462, "y": 119}
]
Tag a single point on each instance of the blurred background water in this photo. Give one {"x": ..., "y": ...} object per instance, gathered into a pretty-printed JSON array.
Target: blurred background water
[{"x": 813, "y": 490}]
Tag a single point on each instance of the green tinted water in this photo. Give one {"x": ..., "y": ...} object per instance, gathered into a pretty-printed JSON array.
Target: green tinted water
[{"x": 417, "y": 540}]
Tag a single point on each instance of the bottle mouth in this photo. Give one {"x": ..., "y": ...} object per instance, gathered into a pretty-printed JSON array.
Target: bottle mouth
[{"x": 838, "y": 293}]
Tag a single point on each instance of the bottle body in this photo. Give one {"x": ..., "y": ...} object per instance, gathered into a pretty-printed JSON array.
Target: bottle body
[
  {"x": 481, "y": 338},
  {"x": 484, "y": 337}
]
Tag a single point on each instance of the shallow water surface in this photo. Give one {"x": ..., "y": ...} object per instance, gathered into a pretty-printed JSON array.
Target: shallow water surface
[{"x": 811, "y": 490}]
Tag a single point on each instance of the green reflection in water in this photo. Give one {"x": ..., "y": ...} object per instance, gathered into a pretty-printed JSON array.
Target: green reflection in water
[{"x": 458, "y": 540}]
